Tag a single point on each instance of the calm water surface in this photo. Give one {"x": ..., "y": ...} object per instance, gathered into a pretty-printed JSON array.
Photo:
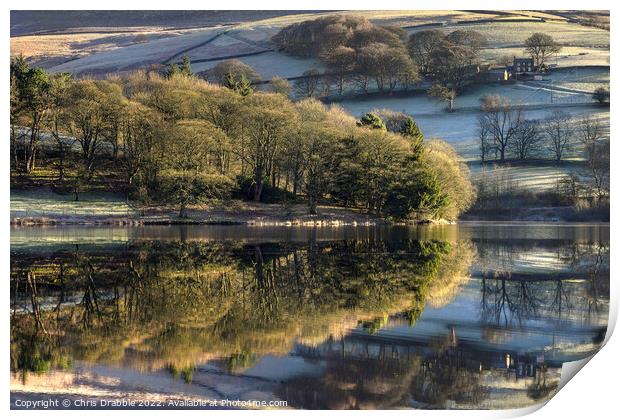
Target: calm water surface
[{"x": 467, "y": 316}]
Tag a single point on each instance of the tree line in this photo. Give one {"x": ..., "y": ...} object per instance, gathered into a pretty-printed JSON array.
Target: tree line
[
  {"x": 210, "y": 297},
  {"x": 504, "y": 132},
  {"x": 182, "y": 141},
  {"x": 361, "y": 55}
]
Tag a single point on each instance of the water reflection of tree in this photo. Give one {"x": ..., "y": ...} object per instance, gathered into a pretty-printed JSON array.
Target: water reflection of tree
[
  {"x": 352, "y": 384},
  {"x": 443, "y": 380},
  {"x": 164, "y": 304},
  {"x": 579, "y": 290},
  {"x": 505, "y": 301},
  {"x": 540, "y": 388},
  {"x": 390, "y": 380}
]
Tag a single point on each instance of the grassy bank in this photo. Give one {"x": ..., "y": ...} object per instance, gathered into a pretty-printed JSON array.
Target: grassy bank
[{"x": 42, "y": 206}]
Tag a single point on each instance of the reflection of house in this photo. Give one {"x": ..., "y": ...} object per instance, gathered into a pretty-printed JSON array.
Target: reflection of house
[{"x": 523, "y": 366}]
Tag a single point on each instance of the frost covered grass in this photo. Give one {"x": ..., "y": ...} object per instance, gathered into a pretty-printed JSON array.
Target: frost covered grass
[
  {"x": 578, "y": 79},
  {"x": 272, "y": 64},
  {"x": 99, "y": 53},
  {"x": 133, "y": 56},
  {"x": 43, "y": 202},
  {"x": 569, "y": 56},
  {"x": 459, "y": 128},
  {"x": 513, "y": 34},
  {"x": 75, "y": 45},
  {"x": 534, "y": 178}
]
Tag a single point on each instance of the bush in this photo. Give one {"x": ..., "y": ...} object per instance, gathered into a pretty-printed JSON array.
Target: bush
[
  {"x": 601, "y": 95},
  {"x": 185, "y": 188}
]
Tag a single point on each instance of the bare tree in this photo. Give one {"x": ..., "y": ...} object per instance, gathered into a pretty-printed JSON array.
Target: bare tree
[
  {"x": 486, "y": 140},
  {"x": 541, "y": 46},
  {"x": 230, "y": 68},
  {"x": 309, "y": 84},
  {"x": 559, "y": 134},
  {"x": 502, "y": 120},
  {"x": 472, "y": 39},
  {"x": 590, "y": 130},
  {"x": 444, "y": 94},
  {"x": 596, "y": 153},
  {"x": 527, "y": 139},
  {"x": 422, "y": 44},
  {"x": 597, "y": 162},
  {"x": 601, "y": 95},
  {"x": 341, "y": 63},
  {"x": 281, "y": 86}
]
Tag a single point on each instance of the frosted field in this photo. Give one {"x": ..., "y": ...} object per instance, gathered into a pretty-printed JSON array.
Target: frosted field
[
  {"x": 222, "y": 46},
  {"x": 101, "y": 53},
  {"x": 45, "y": 203},
  {"x": 514, "y": 34},
  {"x": 526, "y": 94},
  {"x": 71, "y": 46},
  {"x": 578, "y": 80},
  {"x": 461, "y": 129},
  {"x": 569, "y": 56},
  {"x": 582, "y": 45},
  {"x": 271, "y": 64},
  {"x": 566, "y": 90},
  {"x": 531, "y": 178},
  {"x": 134, "y": 56}
]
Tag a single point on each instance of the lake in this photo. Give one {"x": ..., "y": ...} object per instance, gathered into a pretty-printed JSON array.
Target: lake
[{"x": 459, "y": 316}]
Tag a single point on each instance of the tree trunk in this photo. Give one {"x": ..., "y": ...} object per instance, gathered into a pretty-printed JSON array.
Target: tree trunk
[
  {"x": 312, "y": 204},
  {"x": 258, "y": 190},
  {"x": 183, "y": 211}
]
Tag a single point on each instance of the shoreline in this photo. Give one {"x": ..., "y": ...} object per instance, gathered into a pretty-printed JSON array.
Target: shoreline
[
  {"x": 134, "y": 222},
  {"x": 320, "y": 222},
  {"x": 48, "y": 209}
]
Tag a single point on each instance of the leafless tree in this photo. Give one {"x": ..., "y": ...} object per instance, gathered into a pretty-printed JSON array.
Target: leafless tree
[
  {"x": 597, "y": 163},
  {"x": 309, "y": 84},
  {"x": 596, "y": 154},
  {"x": 502, "y": 120},
  {"x": 590, "y": 132},
  {"x": 527, "y": 139},
  {"x": 540, "y": 47},
  {"x": 486, "y": 140},
  {"x": 559, "y": 133}
]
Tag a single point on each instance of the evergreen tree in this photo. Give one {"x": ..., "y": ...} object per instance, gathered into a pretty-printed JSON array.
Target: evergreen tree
[
  {"x": 416, "y": 193},
  {"x": 242, "y": 86},
  {"x": 347, "y": 171},
  {"x": 186, "y": 67},
  {"x": 373, "y": 121},
  {"x": 31, "y": 99},
  {"x": 172, "y": 71},
  {"x": 412, "y": 132}
]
